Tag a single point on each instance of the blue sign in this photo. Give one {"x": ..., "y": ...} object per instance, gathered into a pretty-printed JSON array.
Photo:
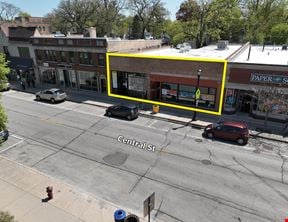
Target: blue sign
[{"x": 262, "y": 78}]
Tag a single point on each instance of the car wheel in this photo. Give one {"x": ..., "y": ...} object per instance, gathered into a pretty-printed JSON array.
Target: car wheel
[
  {"x": 129, "y": 117},
  {"x": 38, "y": 98},
  {"x": 52, "y": 100},
  {"x": 210, "y": 135},
  {"x": 109, "y": 114},
  {"x": 240, "y": 141}
]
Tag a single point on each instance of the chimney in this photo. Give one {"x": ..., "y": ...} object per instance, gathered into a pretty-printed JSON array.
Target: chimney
[{"x": 92, "y": 32}]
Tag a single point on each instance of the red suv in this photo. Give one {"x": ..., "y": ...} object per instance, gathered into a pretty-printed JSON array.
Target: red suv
[{"x": 228, "y": 130}]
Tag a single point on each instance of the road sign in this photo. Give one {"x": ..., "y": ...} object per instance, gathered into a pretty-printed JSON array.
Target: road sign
[
  {"x": 198, "y": 93},
  {"x": 149, "y": 204}
]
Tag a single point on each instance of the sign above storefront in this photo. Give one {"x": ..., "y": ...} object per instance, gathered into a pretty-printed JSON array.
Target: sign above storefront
[{"x": 266, "y": 78}]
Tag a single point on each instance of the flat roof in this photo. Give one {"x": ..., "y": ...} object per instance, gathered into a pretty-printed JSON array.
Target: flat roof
[
  {"x": 272, "y": 55},
  {"x": 210, "y": 51}
]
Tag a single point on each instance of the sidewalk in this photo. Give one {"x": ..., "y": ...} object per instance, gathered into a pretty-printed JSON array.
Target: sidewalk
[
  {"x": 22, "y": 190},
  {"x": 170, "y": 114}
]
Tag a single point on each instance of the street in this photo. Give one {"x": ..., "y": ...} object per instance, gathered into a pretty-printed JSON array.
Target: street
[{"x": 194, "y": 178}]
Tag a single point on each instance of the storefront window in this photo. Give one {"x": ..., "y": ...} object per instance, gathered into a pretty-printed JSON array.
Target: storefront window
[
  {"x": 186, "y": 94},
  {"x": 88, "y": 80},
  {"x": 49, "y": 76},
  {"x": 169, "y": 92},
  {"x": 230, "y": 99}
]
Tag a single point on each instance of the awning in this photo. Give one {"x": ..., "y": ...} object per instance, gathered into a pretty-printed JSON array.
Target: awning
[{"x": 19, "y": 63}]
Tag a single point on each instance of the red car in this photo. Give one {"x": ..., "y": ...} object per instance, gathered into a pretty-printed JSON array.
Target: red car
[{"x": 228, "y": 130}]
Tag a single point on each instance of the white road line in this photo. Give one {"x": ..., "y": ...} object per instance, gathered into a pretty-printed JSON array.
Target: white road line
[
  {"x": 152, "y": 123},
  {"x": 17, "y": 137},
  {"x": 11, "y": 146}
]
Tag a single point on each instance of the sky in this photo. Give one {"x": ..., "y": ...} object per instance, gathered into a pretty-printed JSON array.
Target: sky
[{"x": 42, "y": 7}]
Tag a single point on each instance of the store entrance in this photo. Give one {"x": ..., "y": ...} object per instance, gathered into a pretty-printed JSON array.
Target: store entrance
[{"x": 247, "y": 102}]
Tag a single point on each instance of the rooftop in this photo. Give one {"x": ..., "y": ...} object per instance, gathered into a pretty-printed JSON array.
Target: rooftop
[
  {"x": 273, "y": 55},
  {"x": 210, "y": 51}
]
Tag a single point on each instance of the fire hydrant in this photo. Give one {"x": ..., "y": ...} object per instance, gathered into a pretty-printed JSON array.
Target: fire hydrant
[{"x": 49, "y": 191}]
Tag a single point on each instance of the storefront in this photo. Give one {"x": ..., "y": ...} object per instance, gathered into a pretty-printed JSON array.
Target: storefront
[
  {"x": 257, "y": 91},
  {"x": 168, "y": 81}
]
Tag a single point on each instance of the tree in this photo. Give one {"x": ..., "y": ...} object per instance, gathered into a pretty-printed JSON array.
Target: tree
[
  {"x": 8, "y": 11},
  {"x": 136, "y": 29},
  {"x": 4, "y": 70},
  {"x": 150, "y": 13},
  {"x": 193, "y": 14},
  {"x": 279, "y": 33},
  {"x": 6, "y": 217},
  {"x": 73, "y": 14},
  {"x": 24, "y": 14},
  {"x": 224, "y": 20},
  {"x": 261, "y": 16}
]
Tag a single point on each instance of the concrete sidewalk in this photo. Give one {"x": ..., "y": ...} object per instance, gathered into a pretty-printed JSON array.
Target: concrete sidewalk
[
  {"x": 171, "y": 115},
  {"x": 22, "y": 190}
]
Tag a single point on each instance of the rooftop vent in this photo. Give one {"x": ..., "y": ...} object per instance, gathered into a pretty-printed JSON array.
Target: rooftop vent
[
  {"x": 222, "y": 44},
  {"x": 284, "y": 47}
]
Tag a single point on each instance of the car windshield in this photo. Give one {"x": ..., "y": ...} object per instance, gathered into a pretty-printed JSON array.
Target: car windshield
[
  {"x": 59, "y": 91},
  {"x": 215, "y": 125}
]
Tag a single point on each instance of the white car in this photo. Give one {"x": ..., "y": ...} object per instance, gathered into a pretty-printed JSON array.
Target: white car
[{"x": 53, "y": 95}]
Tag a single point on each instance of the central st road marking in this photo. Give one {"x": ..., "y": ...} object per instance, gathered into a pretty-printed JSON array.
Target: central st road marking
[{"x": 140, "y": 145}]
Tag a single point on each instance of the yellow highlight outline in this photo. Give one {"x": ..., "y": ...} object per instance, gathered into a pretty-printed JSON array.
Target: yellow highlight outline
[{"x": 168, "y": 58}]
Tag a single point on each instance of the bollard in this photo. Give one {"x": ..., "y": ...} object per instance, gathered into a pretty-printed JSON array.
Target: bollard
[
  {"x": 49, "y": 191},
  {"x": 119, "y": 215}
]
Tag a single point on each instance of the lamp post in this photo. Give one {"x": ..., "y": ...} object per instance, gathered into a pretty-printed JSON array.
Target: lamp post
[{"x": 196, "y": 99}]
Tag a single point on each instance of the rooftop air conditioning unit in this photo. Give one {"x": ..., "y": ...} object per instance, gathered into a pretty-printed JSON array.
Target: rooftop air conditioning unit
[
  {"x": 284, "y": 47},
  {"x": 222, "y": 44}
]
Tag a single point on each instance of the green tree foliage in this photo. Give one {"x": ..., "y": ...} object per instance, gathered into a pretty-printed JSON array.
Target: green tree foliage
[
  {"x": 136, "y": 29},
  {"x": 72, "y": 14},
  {"x": 4, "y": 70},
  {"x": 261, "y": 16},
  {"x": 151, "y": 13},
  {"x": 81, "y": 14},
  {"x": 224, "y": 20},
  {"x": 174, "y": 30},
  {"x": 24, "y": 14},
  {"x": 6, "y": 217},
  {"x": 8, "y": 11},
  {"x": 279, "y": 33}
]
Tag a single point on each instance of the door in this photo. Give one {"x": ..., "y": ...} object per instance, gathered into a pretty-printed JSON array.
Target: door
[
  {"x": 72, "y": 77},
  {"x": 103, "y": 85},
  {"x": 66, "y": 78}
]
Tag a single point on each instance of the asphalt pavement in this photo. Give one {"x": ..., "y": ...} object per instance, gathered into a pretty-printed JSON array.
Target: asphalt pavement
[{"x": 172, "y": 115}]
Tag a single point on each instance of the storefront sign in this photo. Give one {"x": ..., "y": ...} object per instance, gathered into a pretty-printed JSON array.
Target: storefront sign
[{"x": 263, "y": 78}]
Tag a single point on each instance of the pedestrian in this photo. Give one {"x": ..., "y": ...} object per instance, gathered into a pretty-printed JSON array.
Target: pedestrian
[{"x": 23, "y": 84}]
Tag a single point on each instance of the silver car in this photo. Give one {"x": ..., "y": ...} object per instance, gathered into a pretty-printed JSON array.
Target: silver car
[{"x": 53, "y": 95}]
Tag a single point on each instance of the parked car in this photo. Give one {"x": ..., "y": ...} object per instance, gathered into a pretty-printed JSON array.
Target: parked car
[
  {"x": 53, "y": 95},
  {"x": 228, "y": 130},
  {"x": 4, "y": 134},
  {"x": 130, "y": 111}
]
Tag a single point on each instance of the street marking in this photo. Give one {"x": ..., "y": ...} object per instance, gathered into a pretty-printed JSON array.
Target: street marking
[
  {"x": 17, "y": 137},
  {"x": 152, "y": 123},
  {"x": 9, "y": 147}
]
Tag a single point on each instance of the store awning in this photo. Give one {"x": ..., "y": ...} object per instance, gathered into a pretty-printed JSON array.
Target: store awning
[{"x": 20, "y": 63}]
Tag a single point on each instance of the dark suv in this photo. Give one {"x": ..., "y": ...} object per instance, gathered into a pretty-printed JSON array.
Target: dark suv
[
  {"x": 130, "y": 111},
  {"x": 228, "y": 130}
]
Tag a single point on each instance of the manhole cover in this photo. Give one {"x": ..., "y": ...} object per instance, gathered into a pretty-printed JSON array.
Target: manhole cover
[
  {"x": 116, "y": 158},
  {"x": 206, "y": 162},
  {"x": 199, "y": 140}
]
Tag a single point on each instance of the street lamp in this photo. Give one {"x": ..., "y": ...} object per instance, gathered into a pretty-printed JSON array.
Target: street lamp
[{"x": 196, "y": 96}]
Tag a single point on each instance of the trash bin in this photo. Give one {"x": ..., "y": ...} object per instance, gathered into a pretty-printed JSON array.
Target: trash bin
[
  {"x": 119, "y": 215},
  {"x": 155, "y": 109},
  {"x": 131, "y": 218}
]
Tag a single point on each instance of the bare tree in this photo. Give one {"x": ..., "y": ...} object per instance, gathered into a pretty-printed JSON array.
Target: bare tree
[{"x": 8, "y": 11}]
